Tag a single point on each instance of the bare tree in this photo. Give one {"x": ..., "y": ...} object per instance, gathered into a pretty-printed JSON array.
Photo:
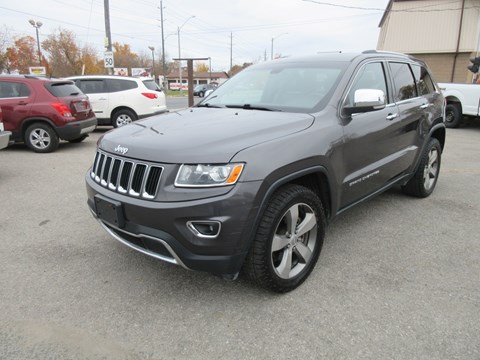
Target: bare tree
[{"x": 4, "y": 41}]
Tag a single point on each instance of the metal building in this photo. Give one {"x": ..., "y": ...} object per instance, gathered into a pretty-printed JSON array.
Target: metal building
[{"x": 443, "y": 33}]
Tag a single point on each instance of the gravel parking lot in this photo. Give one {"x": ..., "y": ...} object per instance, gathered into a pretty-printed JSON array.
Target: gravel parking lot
[{"x": 398, "y": 277}]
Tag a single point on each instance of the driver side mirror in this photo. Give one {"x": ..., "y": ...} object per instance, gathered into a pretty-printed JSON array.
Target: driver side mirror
[{"x": 366, "y": 100}]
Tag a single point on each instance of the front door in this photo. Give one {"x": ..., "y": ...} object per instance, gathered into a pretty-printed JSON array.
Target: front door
[{"x": 371, "y": 150}]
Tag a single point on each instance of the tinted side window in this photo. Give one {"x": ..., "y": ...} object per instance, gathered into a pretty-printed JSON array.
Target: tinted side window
[
  {"x": 115, "y": 85},
  {"x": 94, "y": 86},
  {"x": 24, "y": 90},
  {"x": 151, "y": 85},
  {"x": 370, "y": 76},
  {"x": 13, "y": 89},
  {"x": 404, "y": 82},
  {"x": 424, "y": 81}
]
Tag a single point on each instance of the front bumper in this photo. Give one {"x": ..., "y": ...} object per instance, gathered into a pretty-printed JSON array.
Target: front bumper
[
  {"x": 160, "y": 229},
  {"x": 74, "y": 130},
  {"x": 4, "y": 139}
]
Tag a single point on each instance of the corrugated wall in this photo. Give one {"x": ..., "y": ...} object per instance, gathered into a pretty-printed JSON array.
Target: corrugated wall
[
  {"x": 429, "y": 30},
  {"x": 442, "y": 66},
  {"x": 428, "y": 26}
]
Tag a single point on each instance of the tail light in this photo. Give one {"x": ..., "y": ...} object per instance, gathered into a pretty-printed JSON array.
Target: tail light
[
  {"x": 62, "y": 109},
  {"x": 150, "y": 95}
]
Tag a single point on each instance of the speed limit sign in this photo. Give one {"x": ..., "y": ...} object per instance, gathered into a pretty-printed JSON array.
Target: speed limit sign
[{"x": 108, "y": 59}]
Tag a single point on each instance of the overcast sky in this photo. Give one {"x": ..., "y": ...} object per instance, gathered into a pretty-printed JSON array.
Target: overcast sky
[{"x": 298, "y": 27}]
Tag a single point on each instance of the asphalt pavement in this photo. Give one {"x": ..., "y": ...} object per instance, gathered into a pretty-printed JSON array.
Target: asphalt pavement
[
  {"x": 398, "y": 277},
  {"x": 179, "y": 102}
]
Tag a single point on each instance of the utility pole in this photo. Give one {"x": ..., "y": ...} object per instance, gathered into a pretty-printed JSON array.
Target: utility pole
[
  {"x": 107, "y": 30},
  {"x": 37, "y": 25},
  {"x": 163, "y": 48},
  {"x": 180, "y": 55}
]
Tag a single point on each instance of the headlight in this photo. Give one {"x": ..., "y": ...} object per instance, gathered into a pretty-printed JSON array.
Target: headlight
[{"x": 208, "y": 175}]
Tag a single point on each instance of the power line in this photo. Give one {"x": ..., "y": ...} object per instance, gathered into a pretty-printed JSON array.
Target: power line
[{"x": 413, "y": 9}]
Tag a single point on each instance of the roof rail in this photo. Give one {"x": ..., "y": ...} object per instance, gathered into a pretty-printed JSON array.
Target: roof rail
[{"x": 384, "y": 52}]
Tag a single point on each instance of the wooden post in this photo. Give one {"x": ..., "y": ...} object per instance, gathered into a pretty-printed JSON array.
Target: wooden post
[{"x": 190, "y": 82}]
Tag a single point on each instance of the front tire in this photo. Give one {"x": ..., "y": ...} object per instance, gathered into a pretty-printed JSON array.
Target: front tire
[
  {"x": 41, "y": 138},
  {"x": 423, "y": 182},
  {"x": 288, "y": 241},
  {"x": 123, "y": 117},
  {"x": 453, "y": 115}
]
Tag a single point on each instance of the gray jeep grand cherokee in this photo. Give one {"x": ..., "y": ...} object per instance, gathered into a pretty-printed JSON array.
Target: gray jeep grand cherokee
[{"x": 249, "y": 178}]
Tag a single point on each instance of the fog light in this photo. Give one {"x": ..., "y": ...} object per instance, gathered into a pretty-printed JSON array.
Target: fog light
[{"x": 204, "y": 229}]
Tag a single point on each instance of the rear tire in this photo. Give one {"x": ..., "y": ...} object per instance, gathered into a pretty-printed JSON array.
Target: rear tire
[
  {"x": 41, "y": 138},
  {"x": 123, "y": 117},
  {"x": 453, "y": 115},
  {"x": 423, "y": 182},
  {"x": 288, "y": 241}
]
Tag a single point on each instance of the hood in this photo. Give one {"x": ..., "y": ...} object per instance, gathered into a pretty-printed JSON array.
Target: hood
[{"x": 201, "y": 135}]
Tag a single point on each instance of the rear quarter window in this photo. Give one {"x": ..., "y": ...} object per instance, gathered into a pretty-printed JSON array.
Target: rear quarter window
[
  {"x": 424, "y": 81},
  {"x": 151, "y": 85},
  {"x": 63, "y": 89}
]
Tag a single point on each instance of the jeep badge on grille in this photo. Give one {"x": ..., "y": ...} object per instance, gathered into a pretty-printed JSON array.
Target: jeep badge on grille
[{"x": 120, "y": 149}]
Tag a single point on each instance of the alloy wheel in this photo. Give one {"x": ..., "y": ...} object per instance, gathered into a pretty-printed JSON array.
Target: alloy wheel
[
  {"x": 430, "y": 171},
  {"x": 294, "y": 241},
  {"x": 40, "y": 138}
]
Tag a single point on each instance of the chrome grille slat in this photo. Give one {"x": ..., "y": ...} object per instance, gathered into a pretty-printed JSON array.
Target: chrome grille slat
[{"x": 126, "y": 176}]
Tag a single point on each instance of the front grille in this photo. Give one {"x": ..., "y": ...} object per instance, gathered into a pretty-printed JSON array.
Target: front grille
[{"x": 126, "y": 176}]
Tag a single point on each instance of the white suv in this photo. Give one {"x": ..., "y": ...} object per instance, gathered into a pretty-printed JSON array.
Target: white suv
[{"x": 119, "y": 100}]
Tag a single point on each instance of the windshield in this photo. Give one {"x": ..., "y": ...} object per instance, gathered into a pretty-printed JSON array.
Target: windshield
[{"x": 294, "y": 87}]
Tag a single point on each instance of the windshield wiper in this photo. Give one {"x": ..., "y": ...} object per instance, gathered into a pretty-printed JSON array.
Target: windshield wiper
[
  {"x": 250, "y": 107},
  {"x": 208, "y": 105}
]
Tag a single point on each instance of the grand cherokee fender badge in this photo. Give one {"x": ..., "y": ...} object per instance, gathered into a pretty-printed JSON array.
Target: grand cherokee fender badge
[{"x": 120, "y": 149}]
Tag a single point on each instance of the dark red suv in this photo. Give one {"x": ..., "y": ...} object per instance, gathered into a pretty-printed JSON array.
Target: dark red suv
[{"x": 41, "y": 111}]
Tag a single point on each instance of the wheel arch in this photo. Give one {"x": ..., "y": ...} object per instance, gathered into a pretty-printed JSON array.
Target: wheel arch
[
  {"x": 120, "y": 108},
  {"x": 454, "y": 100},
  {"x": 27, "y": 122},
  {"x": 315, "y": 178},
  {"x": 439, "y": 132}
]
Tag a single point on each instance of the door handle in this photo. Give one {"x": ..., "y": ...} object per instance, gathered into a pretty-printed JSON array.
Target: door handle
[
  {"x": 424, "y": 106},
  {"x": 391, "y": 116},
  {"x": 22, "y": 103}
]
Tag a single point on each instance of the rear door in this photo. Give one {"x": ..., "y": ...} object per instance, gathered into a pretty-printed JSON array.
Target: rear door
[
  {"x": 15, "y": 100},
  {"x": 432, "y": 97},
  {"x": 412, "y": 110},
  {"x": 97, "y": 92}
]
